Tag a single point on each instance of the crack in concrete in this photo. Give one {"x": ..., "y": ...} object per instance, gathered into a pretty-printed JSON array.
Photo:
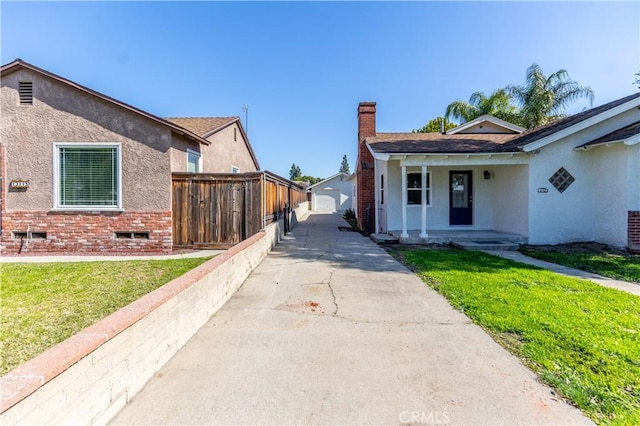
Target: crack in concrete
[{"x": 333, "y": 294}]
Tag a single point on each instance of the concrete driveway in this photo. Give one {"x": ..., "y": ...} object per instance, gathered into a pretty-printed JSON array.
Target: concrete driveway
[{"x": 330, "y": 329}]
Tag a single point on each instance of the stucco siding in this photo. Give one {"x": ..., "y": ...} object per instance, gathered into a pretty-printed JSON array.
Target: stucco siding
[
  {"x": 633, "y": 178},
  {"x": 225, "y": 152},
  {"x": 510, "y": 199},
  {"x": 178, "y": 152},
  {"x": 572, "y": 215},
  {"x": 560, "y": 217},
  {"x": 63, "y": 114},
  {"x": 610, "y": 203}
]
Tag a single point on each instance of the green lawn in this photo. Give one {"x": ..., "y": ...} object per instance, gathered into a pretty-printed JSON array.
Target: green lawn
[
  {"x": 45, "y": 303},
  {"x": 616, "y": 266},
  {"x": 581, "y": 338}
]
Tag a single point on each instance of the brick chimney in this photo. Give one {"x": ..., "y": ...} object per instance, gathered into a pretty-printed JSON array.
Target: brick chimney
[{"x": 364, "y": 168}]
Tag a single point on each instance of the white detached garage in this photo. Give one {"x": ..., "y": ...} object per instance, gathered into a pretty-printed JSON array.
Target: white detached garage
[{"x": 332, "y": 194}]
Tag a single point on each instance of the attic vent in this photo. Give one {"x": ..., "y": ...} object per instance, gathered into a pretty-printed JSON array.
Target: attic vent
[
  {"x": 561, "y": 179},
  {"x": 26, "y": 92}
]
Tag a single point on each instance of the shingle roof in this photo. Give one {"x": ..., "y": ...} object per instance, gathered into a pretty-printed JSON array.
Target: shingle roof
[
  {"x": 543, "y": 131},
  {"x": 202, "y": 126},
  {"x": 620, "y": 134},
  {"x": 206, "y": 126},
  {"x": 432, "y": 143},
  {"x": 436, "y": 143}
]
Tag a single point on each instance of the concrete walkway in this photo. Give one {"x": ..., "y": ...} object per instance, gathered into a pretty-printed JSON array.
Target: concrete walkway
[
  {"x": 570, "y": 272},
  {"x": 329, "y": 329}
]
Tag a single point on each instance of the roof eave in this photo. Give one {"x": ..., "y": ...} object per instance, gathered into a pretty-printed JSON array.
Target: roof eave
[
  {"x": 328, "y": 179},
  {"x": 542, "y": 142},
  {"x": 630, "y": 141}
]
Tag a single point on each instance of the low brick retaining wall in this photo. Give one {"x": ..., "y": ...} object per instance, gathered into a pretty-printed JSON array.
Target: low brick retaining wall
[{"x": 89, "y": 377}]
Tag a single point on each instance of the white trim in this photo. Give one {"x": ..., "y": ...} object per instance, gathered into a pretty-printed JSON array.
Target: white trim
[
  {"x": 423, "y": 199},
  {"x": 199, "y": 154},
  {"x": 484, "y": 118},
  {"x": 346, "y": 177},
  {"x": 630, "y": 141},
  {"x": 581, "y": 125},
  {"x": 462, "y": 160},
  {"x": 633, "y": 140},
  {"x": 404, "y": 233},
  {"x": 56, "y": 175},
  {"x": 376, "y": 198},
  {"x": 235, "y": 169}
]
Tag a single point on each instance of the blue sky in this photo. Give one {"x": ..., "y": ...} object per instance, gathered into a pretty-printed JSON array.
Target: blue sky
[{"x": 303, "y": 67}]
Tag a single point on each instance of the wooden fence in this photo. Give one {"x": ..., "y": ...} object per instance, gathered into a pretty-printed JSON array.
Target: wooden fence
[{"x": 220, "y": 210}]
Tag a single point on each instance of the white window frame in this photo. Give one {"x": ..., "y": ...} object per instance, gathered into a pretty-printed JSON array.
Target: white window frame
[
  {"x": 199, "y": 155},
  {"x": 56, "y": 175},
  {"x": 235, "y": 169},
  {"x": 429, "y": 192}
]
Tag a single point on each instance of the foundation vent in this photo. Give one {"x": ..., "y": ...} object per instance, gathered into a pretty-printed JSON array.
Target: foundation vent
[{"x": 26, "y": 92}]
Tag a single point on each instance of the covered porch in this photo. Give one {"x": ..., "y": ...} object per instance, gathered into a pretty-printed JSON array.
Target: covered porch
[{"x": 452, "y": 198}]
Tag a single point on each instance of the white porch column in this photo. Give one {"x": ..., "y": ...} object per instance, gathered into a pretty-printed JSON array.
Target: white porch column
[
  {"x": 404, "y": 233},
  {"x": 376, "y": 189},
  {"x": 423, "y": 228}
]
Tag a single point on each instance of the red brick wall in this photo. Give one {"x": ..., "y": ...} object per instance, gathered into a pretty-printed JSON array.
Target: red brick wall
[
  {"x": 365, "y": 175},
  {"x": 85, "y": 232},
  {"x": 633, "y": 229}
]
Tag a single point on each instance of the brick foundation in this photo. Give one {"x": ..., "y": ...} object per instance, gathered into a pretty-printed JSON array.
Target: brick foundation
[
  {"x": 85, "y": 232},
  {"x": 633, "y": 231}
]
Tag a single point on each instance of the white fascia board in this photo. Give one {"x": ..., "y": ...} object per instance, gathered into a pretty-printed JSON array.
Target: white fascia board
[
  {"x": 461, "y": 159},
  {"x": 581, "y": 125},
  {"x": 378, "y": 155},
  {"x": 489, "y": 118},
  {"x": 327, "y": 180},
  {"x": 633, "y": 140}
]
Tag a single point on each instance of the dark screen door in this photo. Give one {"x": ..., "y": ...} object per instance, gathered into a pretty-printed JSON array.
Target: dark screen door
[{"x": 460, "y": 198}]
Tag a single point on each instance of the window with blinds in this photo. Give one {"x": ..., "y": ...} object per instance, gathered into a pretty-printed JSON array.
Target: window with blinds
[{"x": 88, "y": 176}]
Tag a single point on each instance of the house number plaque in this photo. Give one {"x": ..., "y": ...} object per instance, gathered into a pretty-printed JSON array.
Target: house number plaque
[
  {"x": 543, "y": 190},
  {"x": 19, "y": 184}
]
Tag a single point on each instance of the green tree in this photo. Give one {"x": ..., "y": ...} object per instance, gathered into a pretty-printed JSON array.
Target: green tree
[
  {"x": 543, "y": 99},
  {"x": 294, "y": 172},
  {"x": 309, "y": 179},
  {"x": 498, "y": 105},
  {"x": 433, "y": 126},
  {"x": 344, "y": 166}
]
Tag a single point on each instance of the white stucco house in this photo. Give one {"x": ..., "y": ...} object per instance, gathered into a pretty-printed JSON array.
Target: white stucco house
[
  {"x": 576, "y": 179},
  {"x": 333, "y": 194}
]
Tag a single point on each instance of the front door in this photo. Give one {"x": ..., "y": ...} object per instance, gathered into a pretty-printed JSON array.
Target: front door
[{"x": 460, "y": 198}]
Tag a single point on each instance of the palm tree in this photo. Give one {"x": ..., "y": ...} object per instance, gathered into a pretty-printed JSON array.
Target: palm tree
[
  {"x": 543, "y": 99},
  {"x": 498, "y": 105}
]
